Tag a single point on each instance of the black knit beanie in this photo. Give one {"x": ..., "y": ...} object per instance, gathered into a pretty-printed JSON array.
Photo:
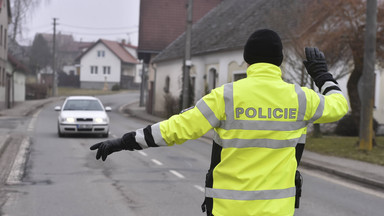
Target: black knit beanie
[{"x": 264, "y": 46}]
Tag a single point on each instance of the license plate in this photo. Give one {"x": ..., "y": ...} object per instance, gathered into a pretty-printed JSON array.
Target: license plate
[{"x": 84, "y": 126}]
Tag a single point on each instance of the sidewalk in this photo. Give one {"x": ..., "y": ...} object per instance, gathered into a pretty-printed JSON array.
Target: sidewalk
[
  {"x": 366, "y": 173},
  {"x": 27, "y": 107},
  {"x": 8, "y": 137}
]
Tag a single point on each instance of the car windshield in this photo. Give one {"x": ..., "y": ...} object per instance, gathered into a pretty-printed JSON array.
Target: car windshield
[{"x": 83, "y": 105}]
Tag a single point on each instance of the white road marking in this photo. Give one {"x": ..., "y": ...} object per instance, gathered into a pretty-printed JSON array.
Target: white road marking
[
  {"x": 156, "y": 162},
  {"x": 345, "y": 184},
  {"x": 143, "y": 153},
  {"x": 16, "y": 173},
  {"x": 198, "y": 187},
  {"x": 31, "y": 124},
  {"x": 177, "y": 174}
]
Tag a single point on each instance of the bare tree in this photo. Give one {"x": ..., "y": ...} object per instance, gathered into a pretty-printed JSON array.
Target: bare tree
[
  {"x": 41, "y": 55},
  {"x": 337, "y": 28},
  {"x": 20, "y": 10}
]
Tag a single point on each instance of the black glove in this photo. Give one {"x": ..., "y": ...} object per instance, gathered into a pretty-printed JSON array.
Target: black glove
[
  {"x": 127, "y": 142},
  {"x": 315, "y": 63},
  {"x": 317, "y": 66},
  {"x": 107, "y": 147}
]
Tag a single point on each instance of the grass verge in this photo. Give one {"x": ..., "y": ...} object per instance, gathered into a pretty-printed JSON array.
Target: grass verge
[{"x": 347, "y": 147}]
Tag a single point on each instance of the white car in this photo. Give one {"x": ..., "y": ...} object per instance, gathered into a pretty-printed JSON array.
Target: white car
[{"x": 83, "y": 115}]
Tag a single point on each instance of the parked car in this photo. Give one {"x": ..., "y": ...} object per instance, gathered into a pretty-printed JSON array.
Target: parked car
[{"x": 82, "y": 115}]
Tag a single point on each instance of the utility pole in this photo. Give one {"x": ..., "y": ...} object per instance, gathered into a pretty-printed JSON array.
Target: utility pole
[
  {"x": 54, "y": 84},
  {"x": 367, "y": 79},
  {"x": 143, "y": 83},
  {"x": 187, "y": 60}
]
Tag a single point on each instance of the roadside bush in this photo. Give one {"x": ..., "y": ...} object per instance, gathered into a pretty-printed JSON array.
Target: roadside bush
[
  {"x": 171, "y": 105},
  {"x": 347, "y": 127},
  {"x": 35, "y": 91},
  {"x": 116, "y": 87}
]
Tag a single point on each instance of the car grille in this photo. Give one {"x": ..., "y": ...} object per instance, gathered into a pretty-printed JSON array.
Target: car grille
[
  {"x": 84, "y": 119},
  {"x": 85, "y": 129}
]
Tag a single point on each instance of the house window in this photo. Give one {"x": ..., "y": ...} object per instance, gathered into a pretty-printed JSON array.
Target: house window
[
  {"x": 1, "y": 35},
  {"x": 167, "y": 84},
  {"x": 212, "y": 77},
  {"x": 1, "y": 77},
  {"x": 4, "y": 76},
  {"x": 5, "y": 38},
  {"x": 93, "y": 69},
  {"x": 107, "y": 70},
  {"x": 238, "y": 76},
  {"x": 100, "y": 53}
]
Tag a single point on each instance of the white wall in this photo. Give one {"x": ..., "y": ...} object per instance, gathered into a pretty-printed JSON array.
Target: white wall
[
  {"x": 200, "y": 67},
  {"x": 132, "y": 51},
  {"x": 68, "y": 68},
  {"x": 173, "y": 69},
  {"x": 139, "y": 70},
  {"x": 378, "y": 111},
  {"x": 19, "y": 86},
  {"x": 220, "y": 62},
  {"x": 91, "y": 59}
]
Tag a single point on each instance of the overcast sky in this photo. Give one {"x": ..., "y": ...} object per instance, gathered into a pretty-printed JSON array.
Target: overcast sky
[{"x": 86, "y": 20}]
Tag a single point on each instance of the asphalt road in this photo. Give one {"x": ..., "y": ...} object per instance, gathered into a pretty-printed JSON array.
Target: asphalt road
[{"x": 62, "y": 177}]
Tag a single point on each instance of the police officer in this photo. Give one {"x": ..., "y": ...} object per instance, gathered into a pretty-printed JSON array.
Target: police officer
[{"x": 258, "y": 121}]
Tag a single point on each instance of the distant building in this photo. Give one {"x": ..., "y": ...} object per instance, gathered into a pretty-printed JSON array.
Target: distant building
[{"x": 108, "y": 63}]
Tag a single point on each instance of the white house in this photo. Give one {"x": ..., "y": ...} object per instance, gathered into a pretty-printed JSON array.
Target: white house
[
  {"x": 108, "y": 63},
  {"x": 217, "y": 53}
]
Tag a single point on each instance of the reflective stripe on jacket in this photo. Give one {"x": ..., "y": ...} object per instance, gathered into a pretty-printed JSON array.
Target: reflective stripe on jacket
[{"x": 257, "y": 121}]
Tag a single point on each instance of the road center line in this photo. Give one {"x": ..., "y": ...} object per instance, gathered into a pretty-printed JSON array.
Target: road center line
[
  {"x": 31, "y": 124},
  {"x": 177, "y": 174},
  {"x": 156, "y": 162},
  {"x": 143, "y": 153},
  {"x": 198, "y": 187}
]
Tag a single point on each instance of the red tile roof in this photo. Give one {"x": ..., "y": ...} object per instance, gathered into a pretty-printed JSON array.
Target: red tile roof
[
  {"x": 17, "y": 64},
  {"x": 115, "y": 47},
  {"x": 119, "y": 51}
]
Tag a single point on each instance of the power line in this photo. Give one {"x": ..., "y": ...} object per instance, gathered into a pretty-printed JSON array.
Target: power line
[
  {"x": 41, "y": 26},
  {"x": 95, "y": 34},
  {"x": 98, "y": 28}
]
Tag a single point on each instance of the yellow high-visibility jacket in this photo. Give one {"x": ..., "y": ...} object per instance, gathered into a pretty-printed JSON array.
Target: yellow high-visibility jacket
[{"x": 258, "y": 121}]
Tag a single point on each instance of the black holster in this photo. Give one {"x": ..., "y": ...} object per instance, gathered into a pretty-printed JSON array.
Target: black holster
[{"x": 298, "y": 184}]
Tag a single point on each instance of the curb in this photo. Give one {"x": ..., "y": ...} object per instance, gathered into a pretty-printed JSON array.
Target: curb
[
  {"x": 40, "y": 105},
  {"x": 4, "y": 143},
  {"x": 360, "y": 179},
  {"x": 135, "y": 113},
  {"x": 18, "y": 166}
]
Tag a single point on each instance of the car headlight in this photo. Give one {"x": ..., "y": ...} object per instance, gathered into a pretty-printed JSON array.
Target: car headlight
[
  {"x": 100, "y": 120},
  {"x": 68, "y": 120}
]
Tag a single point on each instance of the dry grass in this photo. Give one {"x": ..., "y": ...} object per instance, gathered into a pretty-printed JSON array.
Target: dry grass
[
  {"x": 347, "y": 147},
  {"x": 86, "y": 92}
]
